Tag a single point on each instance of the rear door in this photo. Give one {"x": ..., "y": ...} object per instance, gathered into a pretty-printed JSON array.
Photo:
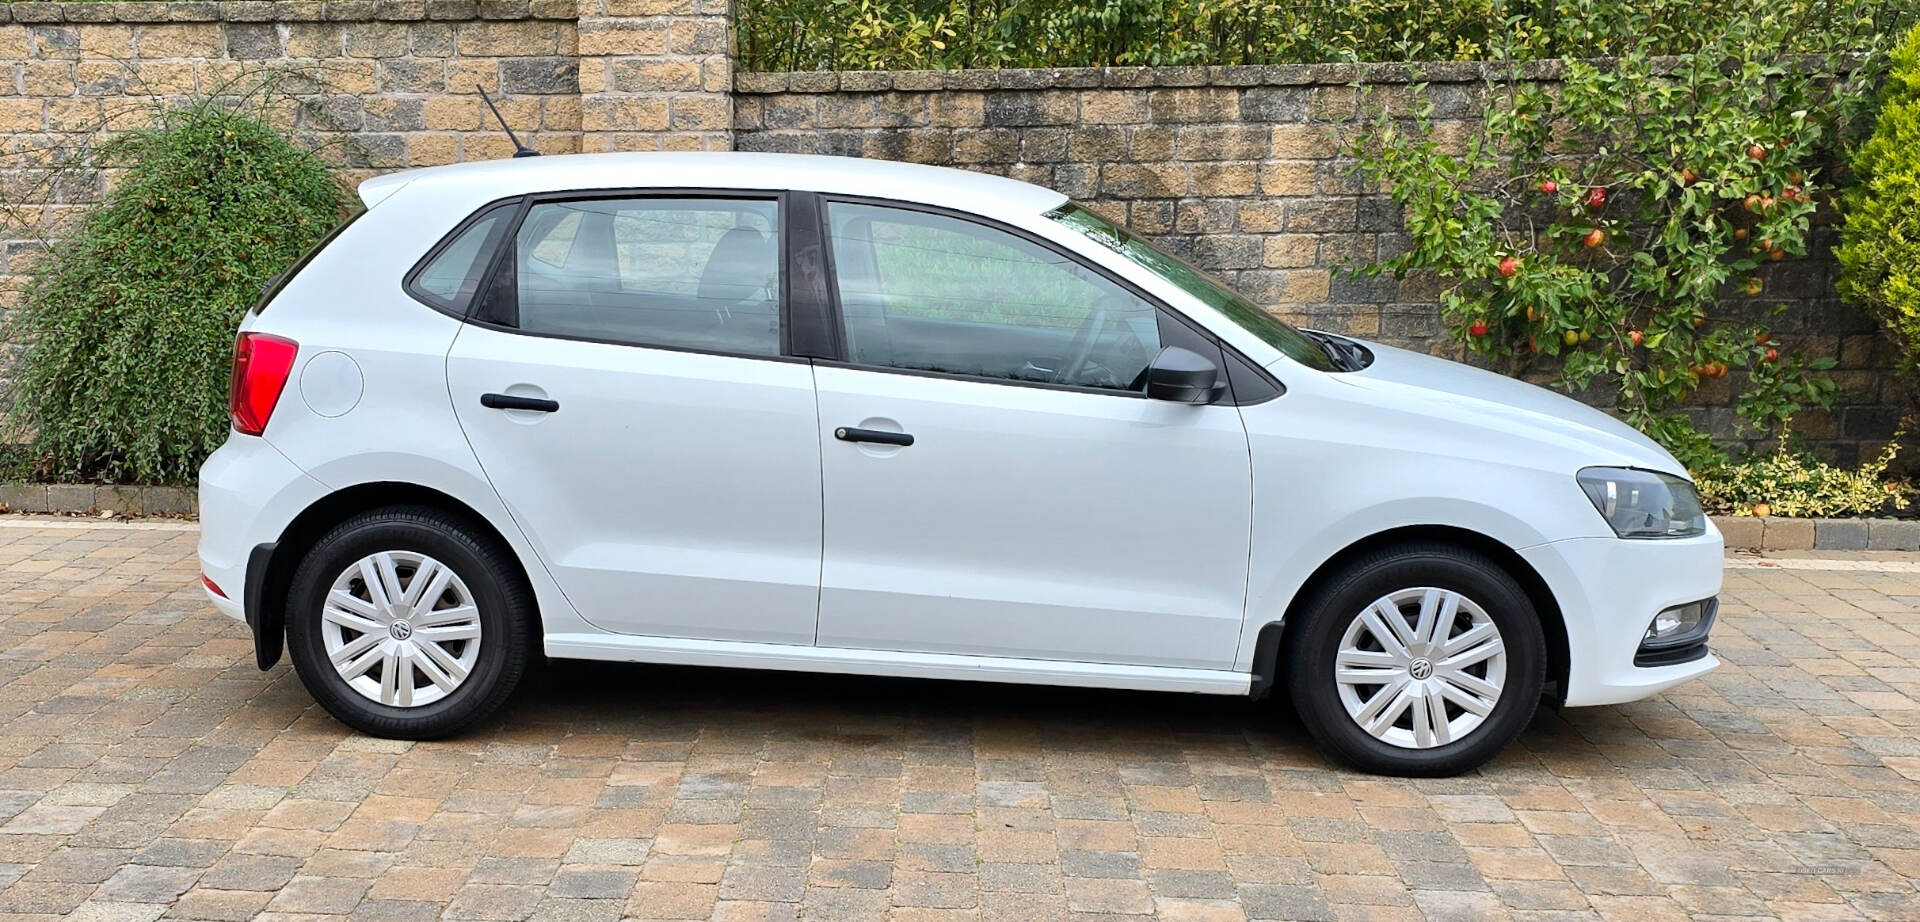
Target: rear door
[{"x": 625, "y": 386}]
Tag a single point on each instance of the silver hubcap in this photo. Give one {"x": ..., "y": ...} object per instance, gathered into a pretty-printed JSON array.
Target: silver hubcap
[
  {"x": 1421, "y": 668},
  {"x": 401, "y": 628}
]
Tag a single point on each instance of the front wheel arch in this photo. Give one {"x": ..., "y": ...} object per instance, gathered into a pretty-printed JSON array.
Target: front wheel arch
[
  {"x": 267, "y": 586},
  {"x": 1273, "y": 636}
]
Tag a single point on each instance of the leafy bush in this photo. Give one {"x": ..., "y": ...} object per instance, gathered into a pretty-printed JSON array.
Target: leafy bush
[
  {"x": 130, "y": 319},
  {"x": 1879, "y": 248},
  {"x": 1612, "y": 229},
  {"x": 1792, "y": 482},
  {"x": 779, "y": 35}
]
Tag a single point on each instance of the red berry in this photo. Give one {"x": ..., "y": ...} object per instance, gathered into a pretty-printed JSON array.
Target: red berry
[
  {"x": 1637, "y": 336},
  {"x": 1479, "y": 328},
  {"x": 1596, "y": 197},
  {"x": 1549, "y": 186},
  {"x": 1508, "y": 266},
  {"x": 1757, "y": 152},
  {"x": 1594, "y": 238},
  {"x": 1773, "y": 355}
]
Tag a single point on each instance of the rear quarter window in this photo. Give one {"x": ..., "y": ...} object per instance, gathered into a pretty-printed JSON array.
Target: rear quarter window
[{"x": 449, "y": 276}]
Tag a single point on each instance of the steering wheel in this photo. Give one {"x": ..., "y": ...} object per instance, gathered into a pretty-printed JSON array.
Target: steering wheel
[{"x": 1083, "y": 345}]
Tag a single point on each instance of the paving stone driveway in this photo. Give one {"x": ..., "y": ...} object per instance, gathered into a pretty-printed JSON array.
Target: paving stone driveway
[{"x": 147, "y": 769}]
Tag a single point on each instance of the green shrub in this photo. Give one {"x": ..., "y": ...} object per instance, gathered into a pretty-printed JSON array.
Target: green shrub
[
  {"x": 1792, "y": 482},
  {"x": 1611, "y": 230},
  {"x": 1879, "y": 248},
  {"x": 782, "y": 35},
  {"x": 130, "y": 319}
]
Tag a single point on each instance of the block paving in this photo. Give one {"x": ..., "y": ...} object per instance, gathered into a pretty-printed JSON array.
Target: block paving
[{"x": 148, "y": 770}]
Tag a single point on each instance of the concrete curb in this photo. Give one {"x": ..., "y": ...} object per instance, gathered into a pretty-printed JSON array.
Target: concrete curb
[
  {"x": 94, "y": 498},
  {"x": 1772, "y": 533}
]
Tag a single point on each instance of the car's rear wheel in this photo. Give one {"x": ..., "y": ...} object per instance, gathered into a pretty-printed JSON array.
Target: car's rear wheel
[
  {"x": 409, "y": 622},
  {"x": 1420, "y": 659}
]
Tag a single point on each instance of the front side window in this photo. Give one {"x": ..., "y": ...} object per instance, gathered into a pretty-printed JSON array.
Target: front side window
[
  {"x": 1247, "y": 315},
  {"x": 929, "y": 292},
  {"x": 684, "y": 273}
]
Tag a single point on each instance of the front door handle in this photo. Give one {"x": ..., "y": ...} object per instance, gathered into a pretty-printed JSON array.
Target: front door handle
[
  {"x": 512, "y": 402},
  {"x": 880, "y": 436}
]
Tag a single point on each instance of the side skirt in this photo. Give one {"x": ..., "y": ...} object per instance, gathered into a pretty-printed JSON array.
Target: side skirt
[{"x": 687, "y": 652}]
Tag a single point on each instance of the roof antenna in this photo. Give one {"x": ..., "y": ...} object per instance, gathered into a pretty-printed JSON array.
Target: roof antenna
[{"x": 519, "y": 149}]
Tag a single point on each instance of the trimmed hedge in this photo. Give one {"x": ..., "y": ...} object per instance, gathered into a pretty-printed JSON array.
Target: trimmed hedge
[
  {"x": 1879, "y": 248},
  {"x": 799, "y": 35}
]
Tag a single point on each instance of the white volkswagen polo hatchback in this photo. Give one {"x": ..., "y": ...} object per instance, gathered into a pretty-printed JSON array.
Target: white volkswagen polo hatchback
[{"x": 840, "y": 415}]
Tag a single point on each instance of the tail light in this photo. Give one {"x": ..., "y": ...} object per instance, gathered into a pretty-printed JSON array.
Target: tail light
[{"x": 261, "y": 364}]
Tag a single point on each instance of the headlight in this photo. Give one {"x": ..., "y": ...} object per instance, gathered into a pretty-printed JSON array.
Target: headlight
[{"x": 1643, "y": 504}]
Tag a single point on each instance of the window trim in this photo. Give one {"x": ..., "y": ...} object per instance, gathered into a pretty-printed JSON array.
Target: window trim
[
  {"x": 782, "y": 209},
  {"x": 836, "y": 324},
  {"x": 410, "y": 282}
]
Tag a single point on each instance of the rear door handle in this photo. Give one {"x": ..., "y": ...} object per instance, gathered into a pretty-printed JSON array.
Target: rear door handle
[
  {"x": 512, "y": 402},
  {"x": 880, "y": 436}
]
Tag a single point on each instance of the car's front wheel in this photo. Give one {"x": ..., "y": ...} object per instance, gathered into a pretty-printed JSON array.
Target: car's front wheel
[
  {"x": 1420, "y": 659},
  {"x": 409, "y": 622}
]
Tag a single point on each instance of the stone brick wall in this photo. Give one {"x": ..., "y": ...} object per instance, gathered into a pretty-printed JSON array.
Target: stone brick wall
[
  {"x": 386, "y": 84},
  {"x": 656, "y": 74},
  {"x": 1242, "y": 169}
]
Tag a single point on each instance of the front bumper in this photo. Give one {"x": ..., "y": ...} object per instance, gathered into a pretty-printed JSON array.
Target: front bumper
[{"x": 1609, "y": 589}]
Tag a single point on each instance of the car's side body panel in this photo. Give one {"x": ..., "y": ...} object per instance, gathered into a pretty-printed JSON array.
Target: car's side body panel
[
  {"x": 673, "y": 494},
  {"x": 796, "y": 658},
  {"x": 1032, "y": 522}
]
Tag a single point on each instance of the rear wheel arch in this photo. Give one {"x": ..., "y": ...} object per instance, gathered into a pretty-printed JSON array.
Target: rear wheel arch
[
  {"x": 1273, "y": 637},
  {"x": 269, "y": 595}
]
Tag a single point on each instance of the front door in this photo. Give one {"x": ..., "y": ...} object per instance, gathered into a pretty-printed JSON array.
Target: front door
[
  {"x": 1044, "y": 508},
  {"x": 626, "y": 393}
]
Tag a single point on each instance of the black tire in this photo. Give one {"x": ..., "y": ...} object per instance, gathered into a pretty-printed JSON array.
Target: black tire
[
  {"x": 507, "y": 615},
  {"x": 1312, "y": 645}
]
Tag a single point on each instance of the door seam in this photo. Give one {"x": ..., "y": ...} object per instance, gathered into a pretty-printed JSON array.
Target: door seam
[{"x": 820, "y": 474}]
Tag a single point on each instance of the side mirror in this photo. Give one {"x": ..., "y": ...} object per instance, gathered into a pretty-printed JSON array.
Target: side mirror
[{"x": 1184, "y": 376}]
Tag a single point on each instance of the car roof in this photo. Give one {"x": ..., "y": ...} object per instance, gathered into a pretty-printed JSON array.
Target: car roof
[{"x": 910, "y": 182}]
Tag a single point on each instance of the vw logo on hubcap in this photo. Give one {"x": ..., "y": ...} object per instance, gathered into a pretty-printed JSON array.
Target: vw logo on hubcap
[
  {"x": 400, "y": 630},
  {"x": 1421, "y": 669}
]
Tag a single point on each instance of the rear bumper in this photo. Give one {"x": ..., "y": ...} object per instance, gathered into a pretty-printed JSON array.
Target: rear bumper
[
  {"x": 249, "y": 493},
  {"x": 1609, "y": 589}
]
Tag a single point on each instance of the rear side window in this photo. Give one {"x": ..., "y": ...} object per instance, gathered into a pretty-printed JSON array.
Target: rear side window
[
  {"x": 451, "y": 274},
  {"x": 683, "y": 273}
]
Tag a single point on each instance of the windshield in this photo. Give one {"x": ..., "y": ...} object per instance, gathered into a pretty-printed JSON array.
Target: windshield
[{"x": 1249, "y": 316}]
